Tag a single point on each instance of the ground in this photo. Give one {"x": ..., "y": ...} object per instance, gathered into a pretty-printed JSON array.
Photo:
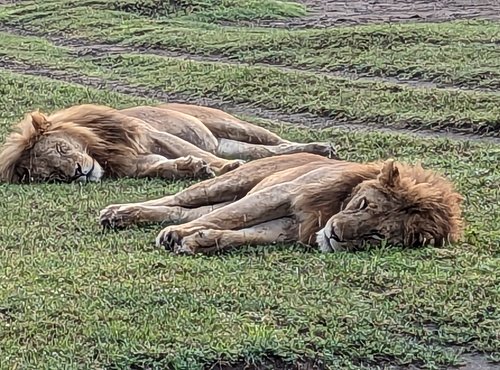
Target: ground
[{"x": 424, "y": 87}]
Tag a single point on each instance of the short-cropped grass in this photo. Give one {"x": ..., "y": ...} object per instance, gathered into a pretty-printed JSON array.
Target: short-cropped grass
[
  {"x": 73, "y": 296},
  {"x": 340, "y": 99},
  {"x": 462, "y": 53}
]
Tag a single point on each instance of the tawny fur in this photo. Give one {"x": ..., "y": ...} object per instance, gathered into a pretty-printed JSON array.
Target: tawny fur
[
  {"x": 408, "y": 205},
  {"x": 138, "y": 141}
]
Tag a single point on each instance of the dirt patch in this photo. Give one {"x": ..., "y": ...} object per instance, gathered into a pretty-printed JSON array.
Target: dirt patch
[
  {"x": 298, "y": 119},
  {"x": 144, "y": 361},
  {"x": 270, "y": 363},
  {"x": 472, "y": 362},
  {"x": 477, "y": 362},
  {"x": 328, "y": 13}
]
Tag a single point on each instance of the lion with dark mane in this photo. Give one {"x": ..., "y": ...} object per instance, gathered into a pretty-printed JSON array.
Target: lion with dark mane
[
  {"x": 332, "y": 204},
  {"x": 89, "y": 142}
]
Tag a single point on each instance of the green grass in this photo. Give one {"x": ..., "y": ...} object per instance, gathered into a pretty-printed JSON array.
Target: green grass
[
  {"x": 343, "y": 100},
  {"x": 74, "y": 297},
  {"x": 463, "y": 53},
  {"x": 195, "y": 10}
]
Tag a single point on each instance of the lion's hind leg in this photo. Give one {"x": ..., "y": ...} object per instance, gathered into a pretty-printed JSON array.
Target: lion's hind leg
[
  {"x": 211, "y": 240},
  {"x": 238, "y": 149},
  {"x": 226, "y": 126}
]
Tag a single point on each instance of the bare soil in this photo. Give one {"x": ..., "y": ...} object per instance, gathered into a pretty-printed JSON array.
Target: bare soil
[{"x": 328, "y": 13}]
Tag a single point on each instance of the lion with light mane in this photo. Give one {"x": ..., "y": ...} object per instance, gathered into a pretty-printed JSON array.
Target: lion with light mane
[
  {"x": 332, "y": 204},
  {"x": 89, "y": 142}
]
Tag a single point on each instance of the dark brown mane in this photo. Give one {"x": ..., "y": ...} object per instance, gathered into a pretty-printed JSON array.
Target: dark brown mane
[{"x": 433, "y": 207}]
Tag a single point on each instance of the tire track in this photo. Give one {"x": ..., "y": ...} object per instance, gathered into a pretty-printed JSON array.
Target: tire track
[
  {"x": 84, "y": 48},
  {"x": 297, "y": 119}
]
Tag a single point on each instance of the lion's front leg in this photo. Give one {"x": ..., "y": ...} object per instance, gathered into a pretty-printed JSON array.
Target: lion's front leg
[
  {"x": 174, "y": 147},
  {"x": 119, "y": 216},
  {"x": 210, "y": 240},
  {"x": 188, "y": 167},
  {"x": 265, "y": 205}
]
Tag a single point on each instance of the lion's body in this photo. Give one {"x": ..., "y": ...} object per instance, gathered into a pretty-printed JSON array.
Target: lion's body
[
  {"x": 88, "y": 142},
  {"x": 306, "y": 198}
]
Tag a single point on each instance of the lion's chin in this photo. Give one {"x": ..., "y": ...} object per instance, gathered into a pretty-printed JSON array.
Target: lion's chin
[
  {"x": 94, "y": 173},
  {"x": 327, "y": 245}
]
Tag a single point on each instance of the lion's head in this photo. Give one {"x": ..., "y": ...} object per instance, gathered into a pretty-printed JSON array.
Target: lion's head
[
  {"x": 80, "y": 143},
  {"x": 39, "y": 154},
  {"x": 403, "y": 206}
]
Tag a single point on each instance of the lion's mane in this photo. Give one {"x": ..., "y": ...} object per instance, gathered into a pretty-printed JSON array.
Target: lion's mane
[{"x": 432, "y": 206}]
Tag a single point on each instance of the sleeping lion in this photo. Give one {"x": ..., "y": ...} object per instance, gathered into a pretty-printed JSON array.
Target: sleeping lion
[
  {"x": 90, "y": 142},
  {"x": 331, "y": 204}
]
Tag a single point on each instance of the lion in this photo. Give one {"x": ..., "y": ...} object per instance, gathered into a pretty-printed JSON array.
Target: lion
[
  {"x": 89, "y": 142},
  {"x": 333, "y": 205}
]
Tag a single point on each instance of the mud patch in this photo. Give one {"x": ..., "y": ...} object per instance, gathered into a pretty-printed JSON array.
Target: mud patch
[
  {"x": 145, "y": 361},
  {"x": 269, "y": 363},
  {"x": 477, "y": 362},
  {"x": 328, "y": 13},
  {"x": 298, "y": 119}
]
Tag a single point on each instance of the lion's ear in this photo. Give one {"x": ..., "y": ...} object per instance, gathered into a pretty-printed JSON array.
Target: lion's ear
[
  {"x": 39, "y": 122},
  {"x": 389, "y": 174}
]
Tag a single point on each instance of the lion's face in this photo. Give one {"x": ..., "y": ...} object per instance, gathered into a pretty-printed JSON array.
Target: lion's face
[
  {"x": 370, "y": 217},
  {"x": 55, "y": 157}
]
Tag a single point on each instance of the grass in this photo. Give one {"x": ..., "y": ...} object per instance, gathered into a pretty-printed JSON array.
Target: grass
[
  {"x": 73, "y": 295},
  {"x": 194, "y": 10},
  {"x": 341, "y": 99},
  {"x": 463, "y": 53}
]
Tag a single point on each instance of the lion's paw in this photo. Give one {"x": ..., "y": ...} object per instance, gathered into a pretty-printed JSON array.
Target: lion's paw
[
  {"x": 231, "y": 165},
  {"x": 324, "y": 149},
  {"x": 194, "y": 167},
  {"x": 168, "y": 238},
  {"x": 235, "y": 164},
  {"x": 172, "y": 239},
  {"x": 117, "y": 216}
]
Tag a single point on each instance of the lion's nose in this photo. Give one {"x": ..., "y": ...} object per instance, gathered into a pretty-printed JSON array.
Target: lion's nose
[
  {"x": 78, "y": 170},
  {"x": 333, "y": 234}
]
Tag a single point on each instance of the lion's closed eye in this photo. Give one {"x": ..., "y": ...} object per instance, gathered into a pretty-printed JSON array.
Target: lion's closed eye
[
  {"x": 375, "y": 235},
  {"x": 363, "y": 203},
  {"x": 60, "y": 149}
]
